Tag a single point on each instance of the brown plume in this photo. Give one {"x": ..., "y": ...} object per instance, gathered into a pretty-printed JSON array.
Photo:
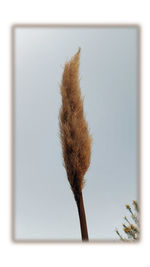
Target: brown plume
[{"x": 75, "y": 137}]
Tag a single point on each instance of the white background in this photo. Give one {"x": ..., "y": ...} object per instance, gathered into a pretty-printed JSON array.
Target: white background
[{"x": 28, "y": 11}]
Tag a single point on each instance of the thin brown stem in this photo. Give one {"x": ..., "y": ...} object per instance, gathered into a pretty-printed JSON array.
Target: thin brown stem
[{"x": 82, "y": 217}]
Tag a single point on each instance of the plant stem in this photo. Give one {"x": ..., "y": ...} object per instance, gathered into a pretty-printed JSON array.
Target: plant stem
[{"x": 82, "y": 216}]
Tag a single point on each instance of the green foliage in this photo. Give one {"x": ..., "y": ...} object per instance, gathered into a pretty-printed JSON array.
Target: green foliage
[{"x": 130, "y": 226}]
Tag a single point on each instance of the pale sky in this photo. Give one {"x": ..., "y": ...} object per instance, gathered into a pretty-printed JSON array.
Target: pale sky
[{"x": 44, "y": 204}]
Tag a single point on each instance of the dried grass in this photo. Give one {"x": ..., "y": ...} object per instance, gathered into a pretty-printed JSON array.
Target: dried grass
[{"x": 74, "y": 133}]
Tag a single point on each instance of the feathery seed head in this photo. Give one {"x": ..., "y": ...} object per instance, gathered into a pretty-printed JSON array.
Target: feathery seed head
[{"x": 74, "y": 133}]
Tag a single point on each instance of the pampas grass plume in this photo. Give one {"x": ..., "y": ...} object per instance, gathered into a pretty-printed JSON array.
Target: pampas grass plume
[{"x": 74, "y": 133}]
